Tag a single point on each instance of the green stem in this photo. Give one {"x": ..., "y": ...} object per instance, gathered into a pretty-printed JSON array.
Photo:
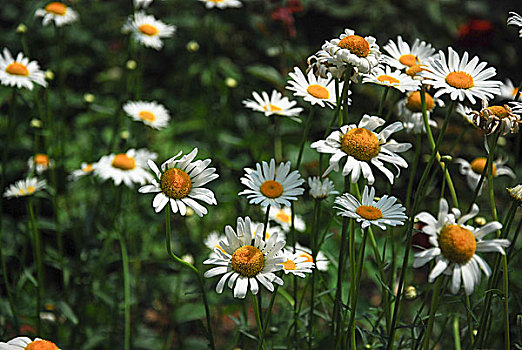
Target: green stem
[
  {"x": 433, "y": 308},
  {"x": 294, "y": 291},
  {"x": 343, "y": 105},
  {"x": 126, "y": 287},
  {"x": 268, "y": 313},
  {"x": 469, "y": 316},
  {"x": 278, "y": 145},
  {"x": 456, "y": 334},
  {"x": 315, "y": 227},
  {"x": 416, "y": 159},
  {"x": 385, "y": 91},
  {"x": 39, "y": 265},
  {"x": 305, "y": 135},
  {"x": 258, "y": 322}
]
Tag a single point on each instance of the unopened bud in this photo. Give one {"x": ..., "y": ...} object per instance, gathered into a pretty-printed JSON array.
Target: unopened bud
[
  {"x": 125, "y": 134},
  {"x": 21, "y": 29},
  {"x": 131, "y": 65},
  {"x": 189, "y": 212},
  {"x": 36, "y": 123},
  {"x": 188, "y": 259},
  {"x": 88, "y": 98},
  {"x": 231, "y": 82},
  {"x": 446, "y": 159},
  {"x": 193, "y": 46},
  {"x": 49, "y": 75},
  {"x": 410, "y": 293},
  {"x": 481, "y": 221}
]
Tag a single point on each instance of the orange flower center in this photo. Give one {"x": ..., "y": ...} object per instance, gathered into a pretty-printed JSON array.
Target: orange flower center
[
  {"x": 41, "y": 159},
  {"x": 318, "y": 91},
  {"x": 56, "y": 8},
  {"x": 414, "y": 70},
  {"x": 272, "y": 108},
  {"x": 414, "y": 104},
  {"x": 360, "y": 143},
  {"x": 499, "y": 111},
  {"x": 460, "y": 80},
  {"x": 248, "y": 261},
  {"x": 283, "y": 217},
  {"x": 356, "y": 44},
  {"x": 123, "y": 162},
  {"x": 175, "y": 183},
  {"x": 16, "y": 68},
  {"x": 515, "y": 92},
  {"x": 41, "y": 345},
  {"x": 26, "y": 191},
  {"x": 478, "y": 164},
  {"x": 148, "y": 29},
  {"x": 457, "y": 243},
  {"x": 87, "y": 168},
  {"x": 147, "y": 116},
  {"x": 308, "y": 257},
  {"x": 289, "y": 265},
  {"x": 369, "y": 212},
  {"x": 388, "y": 79},
  {"x": 409, "y": 60},
  {"x": 271, "y": 189}
]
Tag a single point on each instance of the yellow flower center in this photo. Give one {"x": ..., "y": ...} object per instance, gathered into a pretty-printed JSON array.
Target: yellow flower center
[
  {"x": 271, "y": 189},
  {"x": 414, "y": 70},
  {"x": 41, "y": 159},
  {"x": 413, "y": 103},
  {"x": 41, "y": 345},
  {"x": 123, "y": 162},
  {"x": 388, "y": 79},
  {"x": 147, "y": 116},
  {"x": 216, "y": 1},
  {"x": 272, "y": 108},
  {"x": 26, "y": 191},
  {"x": 148, "y": 29},
  {"x": 360, "y": 143},
  {"x": 369, "y": 212},
  {"x": 308, "y": 257},
  {"x": 87, "y": 168},
  {"x": 457, "y": 243},
  {"x": 478, "y": 164},
  {"x": 356, "y": 44},
  {"x": 318, "y": 91},
  {"x": 408, "y": 60},
  {"x": 175, "y": 183},
  {"x": 283, "y": 217},
  {"x": 16, "y": 68},
  {"x": 56, "y": 8},
  {"x": 460, "y": 80},
  {"x": 248, "y": 261},
  {"x": 289, "y": 265},
  {"x": 499, "y": 111}
]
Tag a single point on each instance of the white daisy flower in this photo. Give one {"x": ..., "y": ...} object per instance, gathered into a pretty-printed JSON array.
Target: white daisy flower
[
  {"x": 321, "y": 261},
  {"x": 152, "y": 113},
  {"x": 85, "y": 169},
  {"x": 409, "y": 111},
  {"x": 402, "y": 56},
  {"x": 461, "y": 78},
  {"x": 296, "y": 263},
  {"x": 273, "y": 104},
  {"x": 147, "y": 30},
  {"x": 368, "y": 212},
  {"x": 395, "y": 79},
  {"x": 221, "y": 4},
  {"x": 20, "y": 72},
  {"x": 324, "y": 65},
  {"x": 271, "y": 230},
  {"x": 515, "y": 20},
  {"x": 128, "y": 167},
  {"x": 508, "y": 91},
  {"x": 142, "y": 3},
  {"x": 321, "y": 189},
  {"x": 24, "y": 187},
  {"x": 247, "y": 260},
  {"x": 270, "y": 186},
  {"x": 473, "y": 170},
  {"x": 283, "y": 217},
  {"x": 57, "y": 12},
  {"x": 491, "y": 119},
  {"x": 455, "y": 245},
  {"x": 39, "y": 163},
  {"x": 25, "y": 343},
  {"x": 180, "y": 184},
  {"x": 313, "y": 89},
  {"x": 354, "y": 50},
  {"x": 363, "y": 147}
]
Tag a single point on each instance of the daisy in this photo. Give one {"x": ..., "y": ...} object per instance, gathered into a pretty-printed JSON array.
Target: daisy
[
  {"x": 24, "y": 187},
  {"x": 25, "y": 343},
  {"x": 180, "y": 183},
  {"x": 247, "y": 260},
  {"x": 515, "y": 20},
  {"x": 20, "y": 72},
  {"x": 148, "y": 31},
  {"x": 221, "y": 4},
  {"x": 321, "y": 261},
  {"x": 383, "y": 212},
  {"x": 454, "y": 246},
  {"x": 401, "y": 56},
  {"x": 283, "y": 216},
  {"x": 460, "y": 78},
  {"x": 270, "y": 186},
  {"x": 354, "y": 50},
  {"x": 272, "y": 230},
  {"x": 152, "y": 113},
  {"x": 296, "y": 263},
  {"x": 313, "y": 89},
  {"x": 39, "y": 163},
  {"x": 324, "y": 65},
  {"x": 321, "y": 189},
  {"x": 142, "y": 3},
  {"x": 128, "y": 167},
  {"x": 57, "y": 12},
  {"x": 85, "y": 169},
  {"x": 363, "y": 146},
  {"x": 409, "y": 110},
  {"x": 508, "y": 91},
  {"x": 474, "y": 170},
  {"x": 497, "y": 118},
  {"x": 395, "y": 79},
  {"x": 273, "y": 104}
]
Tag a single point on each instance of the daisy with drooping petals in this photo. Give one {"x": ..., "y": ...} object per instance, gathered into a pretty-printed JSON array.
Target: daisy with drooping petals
[
  {"x": 273, "y": 104},
  {"x": 180, "y": 184},
  {"x": 152, "y": 113},
  {"x": 296, "y": 264},
  {"x": 283, "y": 217},
  {"x": 324, "y": 65},
  {"x": 382, "y": 213},
  {"x": 395, "y": 79},
  {"x": 461, "y": 78},
  {"x": 409, "y": 110},
  {"x": 270, "y": 186},
  {"x": 313, "y": 89},
  {"x": 85, "y": 169},
  {"x": 474, "y": 170},
  {"x": 148, "y": 31},
  {"x": 25, "y": 343},
  {"x": 493, "y": 119},
  {"x": 363, "y": 147},
  {"x": 128, "y": 167},
  {"x": 401, "y": 56},
  {"x": 57, "y": 12},
  {"x": 515, "y": 20},
  {"x": 454, "y": 246},
  {"x": 20, "y": 72},
  {"x": 221, "y": 4},
  {"x": 508, "y": 91},
  {"x": 24, "y": 187},
  {"x": 321, "y": 189},
  {"x": 246, "y": 260},
  {"x": 39, "y": 163},
  {"x": 321, "y": 261}
]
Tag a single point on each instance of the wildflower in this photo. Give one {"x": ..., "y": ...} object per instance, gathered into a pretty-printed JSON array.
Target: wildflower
[
  {"x": 24, "y": 187},
  {"x": 516, "y": 194},
  {"x": 455, "y": 244},
  {"x": 410, "y": 293},
  {"x": 142, "y": 3},
  {"x": 57, "y": 12},
  {"x": 147, "y": 30},
  {"x": 180, "y": 184},
  {"x": 270, "y": 186},
  {"x": 313, "y": 89},
  {"x": 321, "y": 261},
  {"x": 362, "y": 146},
  {"x": 20, "y": 72},
  {"x": 473, "y": 170},
  {"x": 515, "y": 20},
  {"x": 493, "y": 119},
  {"x": 39, "y": 163},
  {"x": 409, "y": 110},
  {"x": 368, "y": 212},
  {"x": 247, "y": 260},
  {"x": 221, "y": 4},
  {"x": 283, "y": 217},
  {"x": 508, "y": 91},
  {"x": 324, "y": 65},
  {"x": 321, "y": 189},
  {"x": 273, "y": 104},
  {"x": 152, "y": 113},
  {"x": 296, "y": 264},
  {"x": 25, "y": 343},
  {"x": 460, "y": 78},
  {"x": 401, "y": 56},
  {"x": 85, "y": 169},
  {"x": 128, "y": 167},
  {"x": 395, "y": 79}
]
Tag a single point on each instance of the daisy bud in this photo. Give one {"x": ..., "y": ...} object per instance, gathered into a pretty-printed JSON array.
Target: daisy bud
[
  {"x": 188, "y": 259},
  {"x": 36, "y": 123},
  {"x": 21, "y": 29},
  {"x": 192, "y": 46},
  {"x": 480, "y": 221},
  {"x": 88, "y": 98},
  {"x": 125, "y": 134},
  {"x": 446, "y": 159},
  {"x": 190, "y": 212},
  {"x": 131, "y": 65},
  {"x": 501, "y": 141},
  {"x": 231, "y": 82},
  {"x": 49, "y": 75},
  {"x": 410, "y": 293}
]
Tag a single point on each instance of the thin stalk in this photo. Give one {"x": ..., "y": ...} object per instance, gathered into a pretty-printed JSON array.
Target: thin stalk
[
  {"x": 268, "y": 313},
  {"x": 467, "y": 301},
  {"x": 343, "y": 111},
  {"x": 456, "y": 335},
  {"x": 294, "y": 291},
  {"x": 433, "y": 308},
  {"x": 383, "y": 100},
  {"x": 126, "y": 288},
  {"x": 258, "y": 322},
  {"x": 39, "y": 263},
  {"x": 416, "y": 159},
  {"x": 267, "y": 215},
  {"x": 278, "y": 145},
  {"x": 315, "y": 224},
  {"x": 305, "y": 135}
]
